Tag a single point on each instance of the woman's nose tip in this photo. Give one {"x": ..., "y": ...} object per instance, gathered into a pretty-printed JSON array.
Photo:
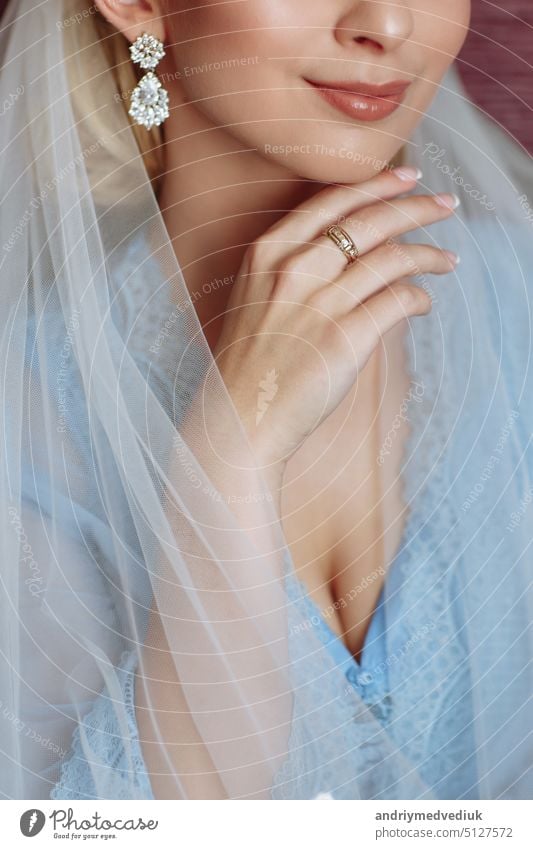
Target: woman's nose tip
[{"x": 376, "y": 26}]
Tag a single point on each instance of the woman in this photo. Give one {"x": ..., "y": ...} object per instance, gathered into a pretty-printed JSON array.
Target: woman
[{"x": 266, "y": 511}]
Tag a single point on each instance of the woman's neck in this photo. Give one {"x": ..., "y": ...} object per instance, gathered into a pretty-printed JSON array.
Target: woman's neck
[{"x": 217, "y": 197}]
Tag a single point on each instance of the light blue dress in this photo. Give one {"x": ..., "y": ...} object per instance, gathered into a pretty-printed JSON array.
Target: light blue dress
[
  {"x": 101, "y": 727},
  {"x": 432, "y": 659}
]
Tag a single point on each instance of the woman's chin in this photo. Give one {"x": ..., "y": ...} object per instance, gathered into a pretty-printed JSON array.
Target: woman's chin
[
  {"x": 314, "y": 157},
  {"x": 336, "y": 172}
]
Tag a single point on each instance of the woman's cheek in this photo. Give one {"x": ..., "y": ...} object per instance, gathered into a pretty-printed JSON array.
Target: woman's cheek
[
  {"x": 219, "y": 52},
  {"x": 441, "y": 36},
  {"x": 242, "y": 23}
]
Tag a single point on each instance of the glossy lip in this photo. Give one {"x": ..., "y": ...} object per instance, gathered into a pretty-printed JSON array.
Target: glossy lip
[{"x": 363, "y": 101}]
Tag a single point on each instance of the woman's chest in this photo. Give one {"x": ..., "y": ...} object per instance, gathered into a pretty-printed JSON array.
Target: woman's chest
[{"x": 342, "y": 506}]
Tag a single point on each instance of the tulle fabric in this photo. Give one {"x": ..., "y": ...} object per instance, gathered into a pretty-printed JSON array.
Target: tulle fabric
[{"x": 142, "y": 563}]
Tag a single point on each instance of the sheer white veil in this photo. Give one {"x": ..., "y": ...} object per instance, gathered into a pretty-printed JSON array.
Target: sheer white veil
[{"x": 134, "y": 529}]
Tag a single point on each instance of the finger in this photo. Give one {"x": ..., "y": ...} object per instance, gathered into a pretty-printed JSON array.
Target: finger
[
  {"x": 378, "y": 269},
  {"x": 305, "y": 222},
  {"x": 374, "y": 225},
  {"x": 368, "y": 322}
]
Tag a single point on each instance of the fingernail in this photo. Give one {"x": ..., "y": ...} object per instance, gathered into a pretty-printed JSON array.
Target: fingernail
[
  {"x": 455, "y": 258},
  {"x": 407, "y": 173},
  {"x": 448, "y": 201}
]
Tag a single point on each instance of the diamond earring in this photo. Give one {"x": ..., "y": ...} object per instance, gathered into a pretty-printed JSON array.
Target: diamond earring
[{"x": 149, "y": 100}]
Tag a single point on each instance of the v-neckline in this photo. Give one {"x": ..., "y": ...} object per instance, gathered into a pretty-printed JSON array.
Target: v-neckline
[
  {"x": 334, "y": 638},
  {"x": 407, "y": 449}
]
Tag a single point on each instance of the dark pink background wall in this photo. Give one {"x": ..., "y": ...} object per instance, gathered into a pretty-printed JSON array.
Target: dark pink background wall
[{"x": 497, "y": 63}]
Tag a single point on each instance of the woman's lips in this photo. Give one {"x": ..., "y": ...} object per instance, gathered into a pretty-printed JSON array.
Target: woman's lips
[{"x": 361, "y": 100}]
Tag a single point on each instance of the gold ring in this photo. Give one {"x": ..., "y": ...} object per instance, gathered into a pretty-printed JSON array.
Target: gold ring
[{"x": 343, "y": 241}]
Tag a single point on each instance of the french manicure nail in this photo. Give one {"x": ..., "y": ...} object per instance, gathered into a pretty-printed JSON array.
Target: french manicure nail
[
  {"x": 448, "y": 201},
  {"x": 407, "y": 173},
  {"x": 455, "y": 258}
]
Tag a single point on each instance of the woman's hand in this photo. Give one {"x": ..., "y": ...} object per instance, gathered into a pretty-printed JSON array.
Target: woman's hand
[{"x": 301, "y": 323}]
